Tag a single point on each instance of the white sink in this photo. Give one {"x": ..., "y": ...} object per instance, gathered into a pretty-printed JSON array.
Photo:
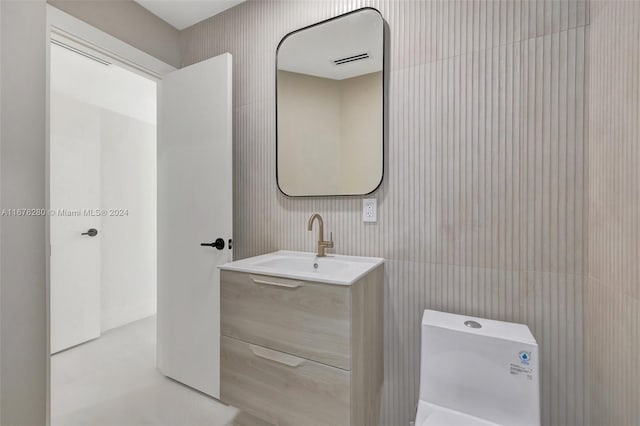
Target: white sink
[
  {"x": 293, "y": 264},
  {"x": 332, "y": 269}
]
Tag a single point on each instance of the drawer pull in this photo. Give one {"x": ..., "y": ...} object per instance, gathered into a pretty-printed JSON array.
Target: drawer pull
[
  {"x": 290, "y": 284},
  {"x": 279, "y": 357}
]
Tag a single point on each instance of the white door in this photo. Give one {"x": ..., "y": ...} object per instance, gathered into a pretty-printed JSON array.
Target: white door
[
  {"x": 194, "y": 207},
  {"x": 75, "y": 258}
]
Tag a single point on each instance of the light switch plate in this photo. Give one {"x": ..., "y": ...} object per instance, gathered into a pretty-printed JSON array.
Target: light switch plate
[{"x": 370, "y": 210}]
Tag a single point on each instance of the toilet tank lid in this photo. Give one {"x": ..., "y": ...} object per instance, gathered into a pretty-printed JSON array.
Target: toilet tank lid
[{"x": 498, "y": 329}]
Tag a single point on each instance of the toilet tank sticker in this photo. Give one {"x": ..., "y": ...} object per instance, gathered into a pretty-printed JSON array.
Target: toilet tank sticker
[
  {"x": 522, "y": 366},
  {"x": 525, "y": 357}
]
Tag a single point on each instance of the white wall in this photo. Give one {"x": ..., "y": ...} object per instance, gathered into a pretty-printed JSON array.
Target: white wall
[
  {"x": 23, "y": 332},
  {"x": 128, "y": 148}
]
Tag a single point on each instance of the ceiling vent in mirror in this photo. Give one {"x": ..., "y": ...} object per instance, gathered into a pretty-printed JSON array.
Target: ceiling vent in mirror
[{"x": 353, "y": 58}]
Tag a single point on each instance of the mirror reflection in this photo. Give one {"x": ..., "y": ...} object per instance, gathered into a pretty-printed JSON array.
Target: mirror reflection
[{"x": 330, "y": 107}]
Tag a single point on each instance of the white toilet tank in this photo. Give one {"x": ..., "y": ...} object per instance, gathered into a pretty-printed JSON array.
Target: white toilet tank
[{"x": 478, "y": 367}]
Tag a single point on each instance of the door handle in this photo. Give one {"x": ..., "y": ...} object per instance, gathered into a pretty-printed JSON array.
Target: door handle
[
  {"x": 218, "y": 243},
  {"x": 91, "y": 232}
]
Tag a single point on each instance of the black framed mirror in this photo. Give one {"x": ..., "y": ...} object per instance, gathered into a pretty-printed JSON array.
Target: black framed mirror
[{"x": 330, "y": 107}]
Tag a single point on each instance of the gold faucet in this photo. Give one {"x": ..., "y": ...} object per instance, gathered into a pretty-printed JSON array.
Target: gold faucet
[{"x": 322, "y": 245}]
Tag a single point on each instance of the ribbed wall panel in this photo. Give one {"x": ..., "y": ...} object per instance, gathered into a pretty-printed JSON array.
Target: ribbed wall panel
[
  {"x": 482, "y": 206},
  {"x": 612, "y": 303}
]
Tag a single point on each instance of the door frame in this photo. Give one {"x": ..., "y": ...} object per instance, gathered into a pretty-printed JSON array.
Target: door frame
[{"x": 74, "y": 32}]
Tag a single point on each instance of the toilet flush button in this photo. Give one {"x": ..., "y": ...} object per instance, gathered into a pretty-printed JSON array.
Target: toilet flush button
[{"x": 472, "y": 324}]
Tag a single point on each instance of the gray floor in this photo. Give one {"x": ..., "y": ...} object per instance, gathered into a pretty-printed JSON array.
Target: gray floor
[{"x": 112, "y": 381}]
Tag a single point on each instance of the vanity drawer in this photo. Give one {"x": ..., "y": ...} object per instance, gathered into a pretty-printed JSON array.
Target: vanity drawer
[
  {"x": 282, "y": 389},
  {"x": 301, "y": 318}
]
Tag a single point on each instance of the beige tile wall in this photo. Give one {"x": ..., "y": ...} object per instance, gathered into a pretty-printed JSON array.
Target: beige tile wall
[
  {"x": 482, "y": 207},
  {"x": 612, "y": 302}
]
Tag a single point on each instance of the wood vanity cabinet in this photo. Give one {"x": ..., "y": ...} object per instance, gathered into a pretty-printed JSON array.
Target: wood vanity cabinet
[{"x": 300, "y": 352}]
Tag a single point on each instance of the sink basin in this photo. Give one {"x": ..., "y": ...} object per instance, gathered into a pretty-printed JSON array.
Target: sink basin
[
  {"x": 331, "y": 269},
  {"x": 319, "y": 265}
]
